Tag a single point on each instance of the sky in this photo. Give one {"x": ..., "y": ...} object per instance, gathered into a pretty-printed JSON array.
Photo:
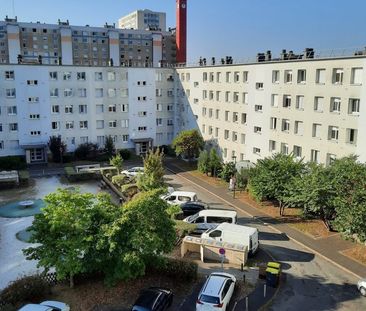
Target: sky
[{"x": 237, "y": 28}]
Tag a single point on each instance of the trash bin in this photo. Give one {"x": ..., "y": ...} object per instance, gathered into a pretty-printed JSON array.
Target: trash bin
[
  {"x": 275, "y": 265},
  {"x": 272, "y": 277}
]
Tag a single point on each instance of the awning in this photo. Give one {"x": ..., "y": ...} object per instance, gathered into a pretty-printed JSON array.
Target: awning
[
  {"x": 35, "y": 146},
  {"x": 141, "y": 140}
]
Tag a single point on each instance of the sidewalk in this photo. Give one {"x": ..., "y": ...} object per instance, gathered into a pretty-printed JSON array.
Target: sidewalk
[{"x": 329, "y": 248}]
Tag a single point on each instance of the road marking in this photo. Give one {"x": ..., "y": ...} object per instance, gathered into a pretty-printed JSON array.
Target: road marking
[{"x": 270, "y": 226}]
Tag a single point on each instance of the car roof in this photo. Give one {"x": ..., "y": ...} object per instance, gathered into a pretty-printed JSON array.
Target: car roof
[
  {"x": 186, "y": 193},
  {"x": 53, "y": 303},
  {"x": 214, "y": 284},
  {"x": 217, "y": 212},
  {"x": 148, "y": 297},
  {"x": 35, "y": 307},
  {"x": 195, "y": 203},
  {"x": 236, "y": 228}
]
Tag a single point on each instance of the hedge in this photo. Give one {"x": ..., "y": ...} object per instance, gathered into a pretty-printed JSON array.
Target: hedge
[
  {"x": 9, "y": 163},
  {"x": 179, "y": 269},
  {"x": 23, "y": 176},
  {"x": 73, "y": 176}
]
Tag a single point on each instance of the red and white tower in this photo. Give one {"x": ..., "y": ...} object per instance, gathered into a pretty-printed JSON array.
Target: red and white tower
[{"x": 181, "y": 32}]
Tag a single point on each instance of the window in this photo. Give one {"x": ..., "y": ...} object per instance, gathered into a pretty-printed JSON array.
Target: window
[
  {"x": 333, "y": 133},
  {"x": 234, "y": 136},
  {"x": 335, "y": 104},
  {"x": 218, "y": 77},
  {"x": 273, "y": 123},
  {"x": 285, "y": 125},
  {"x": 287, "y": 101},
  {"x": 226, "y": 134},
  {"x": 258, "y": 108},
  {"x": 235, "y": 117},
  {"x": 100, "y": 140},
  {"x": 204, "y": 111},
  {"x": 67, "y": 76},
  {"x": 69, "y": 109},
  {"x": 236, "y": 97},
  {"x": 55, "y": 109},
  {"x": 81, "y": 76},
  {"x": 142, "y": 113},
  {"x": 300, "y": 102},
  {"x": 245, "y": 76},
  {"x": 337, "y": 76},
  {"x": 228, "y": 77},
  {"x": 227, "y": 96},
  {"x": 9, "y": 75},
  {"x": 331, "y": 158},
  {"x": 112, "y": 108},
  {"x": 236, "y": 76},
  {"x": 170, "y": 122},
  {"x": 159, "y": 107},
  {"x": 53, "y": 75},
  {"x": 314, "y": 155},
  {"x": 82, "y": 92},
  {"x": 83, "y": 139},
  {"x": 34, "y": 116},
  {"x": 32, "y": 82},
  {"x": 170, "y": 93},
  {"x": 125, "y": 123},
  {"x": 354, "y": 106},
  {"x": 12, "y": 110},
  {"x": 245, "y": 98},
  {"x": 99, "y": 108},
  {"x": 320, "y": 76},
  {"x": 226, "y": 115},
  {"x": 67, "y": 92},
  {"x": 275, "y": 76},
  {"x": 284, "y": 148},
  {"x": 259, "y": 85},
  {"x": 13, "y": 127},
  {"x": 204, "y": 76},
  {"x": 301, "y": 76},
  {"x": 159, "y": 122},
  {"x": 55, "y": 125},
  {"x": 83, "y": 124},
  {"x": 356, "y": 76},
  {"x": 159, "y": 136},
  {"x": 99, "y": 92},
  {"x": 98, "y": 76},
  {"x": 10, "y": 93},
  {"x": 112, "y": 124},
  {"x": 257, "y": 129},
  {"x": 225, "y": 152},
  {"x": 170, "y": 107},
  {"x": 125, "y": 138},
  {"x": 142, "y": 128},
  {"x": 33, "y": 99},
  {"x": 316, "y": 130},
  {"x": 318, "y": 104},
  {"x": 35, "y": 133},
  {"x": 69, "y": 125},
  {"x": 111, "y": 92},
  {"x": 297, "y": 152},
  {"x": 256, "y": 150},
  {"x": 54, "y": 92},
  {"x": 218, "y": 95},
  {"x": 100, "y": 124},
  {"x": 272, "y": 145},
  {"x": 243, "y": 118},
  {"x": 210, "y": 113},
  {"x": 288, "y": 76},
  {"x": 299, "y": 128},
  {"x": 216, "y": 132},
  {"x": 1, "y": 144},
  {"x": 274, "y": 100},
  {"x": 111, "y": 76},
  {"x": 83, "y": 109},
  {"x": 203, "y": 128},
  {"x": 351, "y": 136},
  {"x": 217, "y": 114}
]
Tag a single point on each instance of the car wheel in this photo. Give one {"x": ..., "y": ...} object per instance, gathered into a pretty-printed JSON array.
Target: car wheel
[{"x": 363, "y": 291}]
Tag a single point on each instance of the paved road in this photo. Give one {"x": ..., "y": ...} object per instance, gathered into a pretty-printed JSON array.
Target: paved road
[{"x": 312, "y": 282}]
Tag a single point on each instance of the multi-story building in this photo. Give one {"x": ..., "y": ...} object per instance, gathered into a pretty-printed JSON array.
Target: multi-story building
[
  {"x": 311, "y": 107},
  {"x": 143, "y": 20}
]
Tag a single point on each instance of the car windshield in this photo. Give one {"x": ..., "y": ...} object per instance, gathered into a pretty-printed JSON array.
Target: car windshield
[
  {"x": 192, "y": 218},
  {"x": 210, "y": 299}
]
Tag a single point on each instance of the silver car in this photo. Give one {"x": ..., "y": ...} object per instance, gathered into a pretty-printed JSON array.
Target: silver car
[
  {"x": 46, "y": 306},
  {"x": 361, "y": 285}
]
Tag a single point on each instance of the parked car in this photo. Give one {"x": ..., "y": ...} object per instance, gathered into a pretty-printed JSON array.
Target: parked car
[
  {"x": 153, "y": 299},
  {"x": 180, "y": 197},
  {"x": 216, "y": 292},
  {"x": 191, "y": 208},
  {"x": 361, "y": 285},
  {"x": 46, "y": 306},
  {"x": 133, "y": 171}
]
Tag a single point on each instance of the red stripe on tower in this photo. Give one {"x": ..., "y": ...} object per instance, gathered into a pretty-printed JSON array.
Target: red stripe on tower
[{"x": 181, "y": 34}]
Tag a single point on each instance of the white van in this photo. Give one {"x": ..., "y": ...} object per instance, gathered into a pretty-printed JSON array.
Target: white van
[
  {"x": 236, "y": 234},
  {"x": 180, "y": 197},
  {"x": 210, "y": 218}
]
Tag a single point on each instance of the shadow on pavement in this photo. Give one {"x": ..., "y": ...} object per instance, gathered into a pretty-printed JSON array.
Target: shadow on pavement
[
  {"x": 269, "y": 236},
  {"x": 288, "y": 254}
]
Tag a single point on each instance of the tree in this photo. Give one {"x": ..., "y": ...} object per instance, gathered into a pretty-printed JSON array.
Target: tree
[
  {"x": 188, "y": 143},
  {"x": 215, "y": 162},
  {"x": 228, "y": 171},
  {"x": 68, "y": 231},
  {"x": 86, "y": 151},
  {"x": 109, "y": 146},
  {"x": 204, "y": 162},
  {"x": 117, "y": 162},
  {"x": 153, "y": 176},
  {"x": 242, "y": 177},
  {"x": 57, "y": 148}
]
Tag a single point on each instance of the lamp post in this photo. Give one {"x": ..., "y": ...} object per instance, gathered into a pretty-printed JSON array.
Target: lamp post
[{"x": 234, "y": 177}]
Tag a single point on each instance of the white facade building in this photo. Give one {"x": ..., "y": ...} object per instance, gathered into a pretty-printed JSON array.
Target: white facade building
[{"x": 143, "y": 20}]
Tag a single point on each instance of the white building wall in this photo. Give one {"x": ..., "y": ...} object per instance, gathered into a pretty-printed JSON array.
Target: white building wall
[
  {"x": 66, "y": 46},
  {"x": 13, "y": 43}
]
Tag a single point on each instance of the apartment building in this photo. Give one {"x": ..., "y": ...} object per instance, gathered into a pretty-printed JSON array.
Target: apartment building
[
  {"x": 143, "y": 20},
  {"x": 62, "y": 43},
  {"x": 310, "y": 107},
  {"x": 84, "y": 104}
]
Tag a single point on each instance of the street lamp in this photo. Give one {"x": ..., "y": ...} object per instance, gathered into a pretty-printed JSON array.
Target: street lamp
[{"x": 234, "y": 177}]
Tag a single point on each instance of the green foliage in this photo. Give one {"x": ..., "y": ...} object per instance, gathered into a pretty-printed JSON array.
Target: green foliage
[
  {"x": 153, "y": 176},
  {"x": 242, "y": 177},
  {"x": 117, "y": 162},
  {"x": 183, "y": 228},
  {"x": 168, "y": 150},
  {"x": 173, "y": 210},
  {"x": 179, "y": 269},
  {"x": 204, "y": 162},
  {"x": 188, "y": 143},
  {"x": 215, "y": 162},
  {"x": 109, "y": 147},
  {"x": 228, "y": 171},
  {"x": 86, "y": 151},
  {"x": 74, "y": 176},
  {"x": 57, "y": 148},
  {"x": 125, "y": 154},
  {"x": 9, "y": 163},
  {"x": 24, "y": 176},
  {"x": 120, "y": 180},
  {"x": 129, "y": 190},
  {"x": 28, "y": 288}
]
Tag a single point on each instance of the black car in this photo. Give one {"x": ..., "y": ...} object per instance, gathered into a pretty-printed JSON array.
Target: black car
[
  {"x": 191, "y": 208},
  {"x": 153, "y": 299}
]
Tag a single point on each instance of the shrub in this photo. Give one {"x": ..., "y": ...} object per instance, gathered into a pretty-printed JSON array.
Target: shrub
[
  {"x": 125, "y": 154},
  {"x": 228, "y": 170},
  {"x": 120, "y": 180},
  {"x": 168, "y": 150},
  {"x": 68, "y": 157},
  {"x": 129, "y": 190},
  {"x": 23, "y": 176},
  {"x": 12, "y": 163},
  {"x": 179, "y": 269},
  {"x": 86, "y": 151},
  {"x": 26, "y": 289},
  {"x": 73, "y": 176}
]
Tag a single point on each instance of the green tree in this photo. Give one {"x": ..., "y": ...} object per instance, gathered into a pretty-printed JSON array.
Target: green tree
[
  {"x": 228, "y": 171},
  {"x": 203, "y": 164},
  {"x": 67, "y": 231},
  {"x": 242, "y": 177},
  {"x": 57, "y": 148},
  {"x": 153, "y": 176},
  {"x": 188, "y": 143},
  {"x": 117, "y": 162},
  {"x": 86, "y": 151},
  {"x": 109, "y": 146},
  {"x": 215, "y": 162}
]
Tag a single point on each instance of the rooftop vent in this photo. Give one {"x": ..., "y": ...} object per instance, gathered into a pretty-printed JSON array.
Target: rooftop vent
[{"x": 11, "y": 20}]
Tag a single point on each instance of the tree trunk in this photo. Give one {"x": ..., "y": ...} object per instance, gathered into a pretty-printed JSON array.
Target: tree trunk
[{"x": 71, "y": 280}]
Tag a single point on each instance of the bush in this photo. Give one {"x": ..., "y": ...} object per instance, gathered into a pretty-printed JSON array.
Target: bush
[
  {"x": 26, "y": 289},
  {"x": 120, "y": 180},
  {"x": 179, "y": 269},
  {"x": 73, "y": 176},
  {"x": 125, "y": 154},
  {"x": 23, "y": 176},
  {"x": 12, "y": 163},
  {"x": 129, "y": 190},
  {"x": 228, "y": 170},
  {"x": 86, "y": 151},
  {"x": 68, "y": 157},
  {"x": 168, "y": 150}
]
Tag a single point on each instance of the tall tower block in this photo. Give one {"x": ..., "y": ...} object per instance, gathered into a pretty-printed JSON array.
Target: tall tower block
[{"x": 181, "y": 33}]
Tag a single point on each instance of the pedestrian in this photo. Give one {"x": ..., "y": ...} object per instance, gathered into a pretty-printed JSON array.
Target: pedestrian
[{"x": 231, "y": 184}]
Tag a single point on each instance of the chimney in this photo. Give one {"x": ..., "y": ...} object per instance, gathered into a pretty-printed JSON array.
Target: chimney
[{"x": 181, "y": 32}]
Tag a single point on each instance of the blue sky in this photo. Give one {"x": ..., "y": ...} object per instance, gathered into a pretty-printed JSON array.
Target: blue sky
[{"x": 239, "y": 28}]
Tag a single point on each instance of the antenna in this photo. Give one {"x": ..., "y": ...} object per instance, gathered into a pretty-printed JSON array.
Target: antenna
[{"x": 13, "y": 8}]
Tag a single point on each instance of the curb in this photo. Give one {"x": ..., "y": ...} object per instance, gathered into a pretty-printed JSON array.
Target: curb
[{"x": 270, "y": 226}]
